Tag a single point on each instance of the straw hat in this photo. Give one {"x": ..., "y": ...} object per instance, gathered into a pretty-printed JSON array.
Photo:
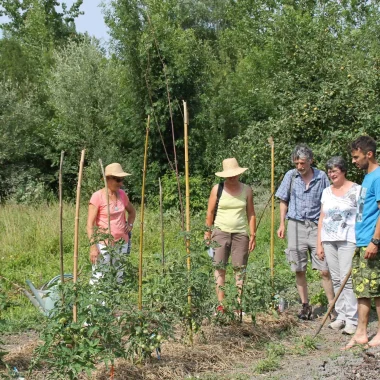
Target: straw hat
[
  {"x": 115, "y": 170},
  {"x": 230, "y": 168}
]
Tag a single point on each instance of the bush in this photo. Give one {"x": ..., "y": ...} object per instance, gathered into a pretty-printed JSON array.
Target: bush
[{"x": 199, "y": 192}]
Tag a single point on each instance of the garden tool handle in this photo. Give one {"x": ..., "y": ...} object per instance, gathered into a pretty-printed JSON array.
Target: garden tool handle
[{"x": 333, "y": 302}]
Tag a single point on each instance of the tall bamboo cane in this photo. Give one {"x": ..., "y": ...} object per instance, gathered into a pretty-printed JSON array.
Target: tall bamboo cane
[
  {"x": 186, "y": 124},
  {"x": 271, "y": 261},
  {"x": 61, "y": 219},
  {"x": 76, "y": 232},
  {"x": 142, "y": 214},
  {"x": 109, "y": 224},
  {"x": 107, "y": 195},
  {"x": 162, "y": 225}
]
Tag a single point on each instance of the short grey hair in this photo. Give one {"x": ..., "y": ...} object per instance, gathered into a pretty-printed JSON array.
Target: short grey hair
[
  {"x": 337, "y": 162},
  {"x": 303, "y": 152}
]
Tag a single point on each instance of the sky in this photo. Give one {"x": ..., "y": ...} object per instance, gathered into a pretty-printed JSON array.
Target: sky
[{"x": 92, "y": 21}]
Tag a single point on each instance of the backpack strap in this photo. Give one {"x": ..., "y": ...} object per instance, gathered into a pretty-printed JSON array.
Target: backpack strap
[{"x": 218, "y": 195}]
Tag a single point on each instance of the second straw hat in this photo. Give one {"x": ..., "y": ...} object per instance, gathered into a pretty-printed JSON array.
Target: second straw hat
[
  {"x": 230, "y": 168},
  {"x": 115, "y": 170}
]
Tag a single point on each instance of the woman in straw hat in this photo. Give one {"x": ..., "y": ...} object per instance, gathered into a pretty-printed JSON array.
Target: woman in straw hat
[
  {"x": 234, "y": 212},
  {"x": 119, "y": 205}
]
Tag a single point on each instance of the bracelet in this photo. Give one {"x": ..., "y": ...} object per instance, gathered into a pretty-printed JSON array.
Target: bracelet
[{"x": 208, "y": 229}]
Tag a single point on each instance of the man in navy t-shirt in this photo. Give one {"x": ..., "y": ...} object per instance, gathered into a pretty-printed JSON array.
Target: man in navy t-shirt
[{"x": 366, "y": 261}]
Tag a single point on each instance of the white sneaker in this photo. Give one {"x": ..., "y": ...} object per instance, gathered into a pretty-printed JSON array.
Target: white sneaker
[
  {"x": 337, "y": 325},
  {"x": 349, "y": 330}
]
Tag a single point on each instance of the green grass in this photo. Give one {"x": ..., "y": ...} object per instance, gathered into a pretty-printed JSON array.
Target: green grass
[
  {"x": 271, "y": 363},
  {"x": 305, "y": 345},
  {"x": 30, "y": 249}
]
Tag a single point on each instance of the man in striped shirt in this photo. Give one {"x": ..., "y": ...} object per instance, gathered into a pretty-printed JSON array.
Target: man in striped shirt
[{"x": 300, "y": 203}]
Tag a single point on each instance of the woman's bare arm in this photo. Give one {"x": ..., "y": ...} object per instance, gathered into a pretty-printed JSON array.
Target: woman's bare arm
[
  {"x": 210, "y": 211},
  {"x": 251, "y": 216},
  {"x": 131, "y": 217},
  {"x": 91, "y": 218}
]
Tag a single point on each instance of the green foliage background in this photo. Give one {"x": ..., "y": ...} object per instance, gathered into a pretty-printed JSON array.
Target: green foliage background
[{"x": 299, "y": 70}]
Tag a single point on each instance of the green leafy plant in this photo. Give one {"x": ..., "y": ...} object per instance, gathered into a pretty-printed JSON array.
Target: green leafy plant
[
  {"x": 271, "y": 363},
  {"x": 4, "y": 304},
  {"x": 319, "y": 298},
  {"x": 108, "y": 326},
  {"x": 306, "y": 344}
]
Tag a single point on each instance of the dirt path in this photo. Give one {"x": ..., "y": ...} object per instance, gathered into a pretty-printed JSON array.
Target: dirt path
[{"x": 327, "y": 361}]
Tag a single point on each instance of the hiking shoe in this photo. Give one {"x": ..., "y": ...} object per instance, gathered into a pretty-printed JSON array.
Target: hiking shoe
[
  {"x": 337, "y": 325},
  {"x": 349, "y": 329},
  {"x": 305, "y": 312}
]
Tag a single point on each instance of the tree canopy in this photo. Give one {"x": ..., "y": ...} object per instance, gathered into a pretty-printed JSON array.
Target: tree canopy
[{"x": 297, "y": 70}]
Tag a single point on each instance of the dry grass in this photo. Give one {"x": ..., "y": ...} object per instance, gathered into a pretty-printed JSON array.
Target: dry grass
[{"x": 218, "y": 349}]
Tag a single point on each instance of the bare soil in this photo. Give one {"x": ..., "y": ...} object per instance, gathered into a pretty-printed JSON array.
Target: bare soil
[
  {"x": 234, "y": 352},
  {"x": 328, "y": 361}
]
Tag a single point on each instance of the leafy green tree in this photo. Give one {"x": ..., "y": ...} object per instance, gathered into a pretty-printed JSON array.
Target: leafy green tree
[{"x": 40, "y": 18}]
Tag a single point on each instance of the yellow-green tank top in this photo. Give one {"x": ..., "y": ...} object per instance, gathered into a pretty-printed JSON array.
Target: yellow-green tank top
[{"x": 232, "y": 212}]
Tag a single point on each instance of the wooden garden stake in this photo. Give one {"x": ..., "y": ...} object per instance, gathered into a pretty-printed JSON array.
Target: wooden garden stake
[
  {"x": 333, "y": 302},
  {"x": 107, "y": 195},
  {"x": 186, "y": 123},
  {"x": 186, "y": 140},
  {"x": 142, "y": 214},
  {"x": 76, "y": 232},
  {"x": 162, "y": 225},
  {"x": 61, "y": 219},
  {"x": 271, "y": 261}
]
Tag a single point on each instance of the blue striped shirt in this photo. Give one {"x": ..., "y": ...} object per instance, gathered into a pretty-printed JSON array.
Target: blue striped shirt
[{"x": 303, "y": 204}]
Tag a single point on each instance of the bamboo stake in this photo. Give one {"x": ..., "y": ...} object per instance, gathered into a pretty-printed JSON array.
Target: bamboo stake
[
  {"x": 333, "y": 302},
  {"x": 142, "y": 214},
  {"x": 271, "y": 261},
  {"x": 186, "y": 124},
  {"x": 76, "y": 232},
  {"x": 61, "y": 220},
  {"x": 107, "y": 196},
  {"x": 162, "y": 225}
]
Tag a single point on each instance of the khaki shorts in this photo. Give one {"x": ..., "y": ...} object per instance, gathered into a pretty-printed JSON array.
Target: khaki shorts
[
  {"x": 302, "y": 240},
  {"x": 235, "y": 244}
]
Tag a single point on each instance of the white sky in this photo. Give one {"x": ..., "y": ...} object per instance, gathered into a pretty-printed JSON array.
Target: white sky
[{"x": 92, "y": 21}]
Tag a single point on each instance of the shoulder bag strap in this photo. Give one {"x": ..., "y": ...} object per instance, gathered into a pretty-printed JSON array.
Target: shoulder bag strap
[
  {"x": 218, "y": 195},
  {"x": 292, "y": 183}
]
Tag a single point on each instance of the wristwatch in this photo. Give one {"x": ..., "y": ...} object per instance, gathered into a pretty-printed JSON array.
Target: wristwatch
[{"x": 375, "y": 241}]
